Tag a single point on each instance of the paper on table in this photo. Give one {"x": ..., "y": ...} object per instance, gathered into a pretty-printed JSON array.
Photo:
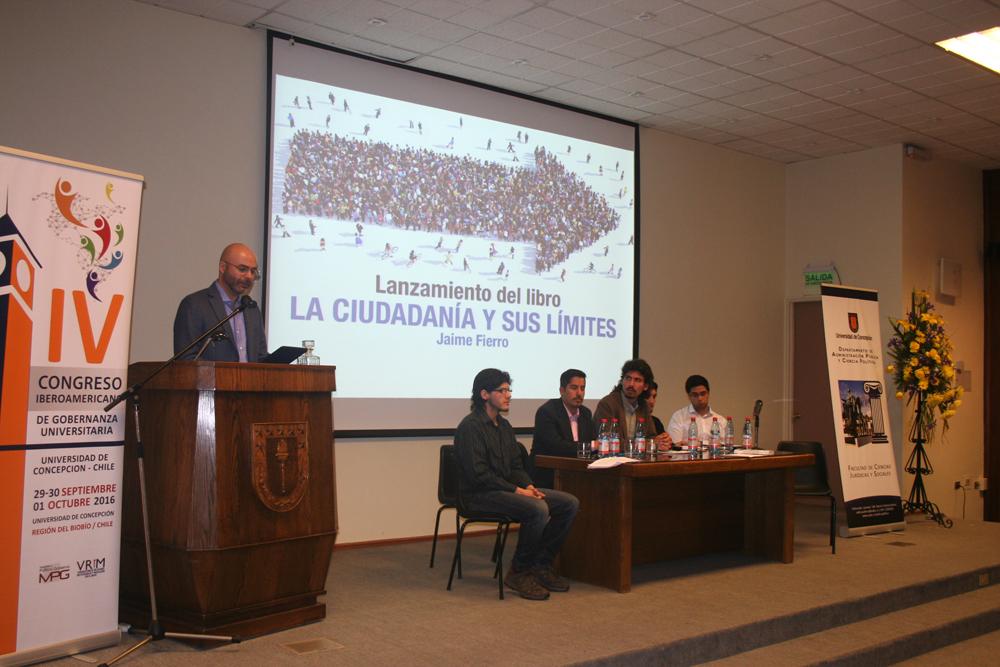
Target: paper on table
[
  {"x": 751, "y": 453},
  {"x": 611, "y": 462}
]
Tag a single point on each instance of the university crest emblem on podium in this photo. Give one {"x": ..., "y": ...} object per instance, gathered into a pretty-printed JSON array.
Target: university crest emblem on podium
[{"x": 280, "y": 464}]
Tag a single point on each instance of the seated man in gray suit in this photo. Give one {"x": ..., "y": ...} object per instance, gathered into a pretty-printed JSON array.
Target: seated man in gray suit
[
  {"x": 561, "y": 423},
  {"x": 244, "y": 334}
]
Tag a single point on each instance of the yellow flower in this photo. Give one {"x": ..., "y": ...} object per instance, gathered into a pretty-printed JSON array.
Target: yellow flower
[
  {"x": 900, "y": 395},
  {"x": 914, "y": 347},
  {"x": 948, "y": 371},
  {"x": 907, "y": 373},
  {"x": 921, "y": 373},
  {"x": 890, "y": 369},
  {"x": 957, "y": 403},
  {"x": 947, "y": 414},
  {"x": 914, "y": 362},
  {"x": 922, "y": 385}
]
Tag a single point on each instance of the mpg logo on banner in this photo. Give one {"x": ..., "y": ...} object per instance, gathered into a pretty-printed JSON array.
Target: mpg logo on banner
[
  {"x": 864, "y": 445},
  {"x": 68, "y": 240}
]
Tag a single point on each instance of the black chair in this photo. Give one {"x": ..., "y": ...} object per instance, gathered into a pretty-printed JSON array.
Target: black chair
[
  {"x": 812, "y": 481},
  {"x": 449, "y": 463},
  {"x": 446, "y": 494}
]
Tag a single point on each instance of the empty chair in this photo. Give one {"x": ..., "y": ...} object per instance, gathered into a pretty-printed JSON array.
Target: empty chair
[{"x": 812, "y": 480}]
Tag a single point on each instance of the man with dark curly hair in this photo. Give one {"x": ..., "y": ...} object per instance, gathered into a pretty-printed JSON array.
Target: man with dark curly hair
[{"x": 494, "y": 479}]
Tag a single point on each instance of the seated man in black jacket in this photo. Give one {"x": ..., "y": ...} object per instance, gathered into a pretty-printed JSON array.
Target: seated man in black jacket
[
  {"x": 494, "y": 480},
  {"x": 561, "y": 423}
]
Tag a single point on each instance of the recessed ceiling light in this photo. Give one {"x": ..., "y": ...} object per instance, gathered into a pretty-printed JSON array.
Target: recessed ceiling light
[
  {"x": 635, "y": 93},
  {"x": 376, "y": 21},
  {"x": 856, "y": 91},
  {"x": 764, "y": 57},
  {"x": 645, "y": 16},
  {"x": 519, "y": 61},
  {"x": 982, "y": 48}
]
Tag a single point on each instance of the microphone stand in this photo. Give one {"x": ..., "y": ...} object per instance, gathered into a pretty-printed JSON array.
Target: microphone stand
[
  {"x": 156, "y": 632},
  {"x": 216, "y": 337},
  {"x": 756, "y": 423}
]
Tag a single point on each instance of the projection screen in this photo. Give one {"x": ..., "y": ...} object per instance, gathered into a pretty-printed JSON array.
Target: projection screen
[{"x": 421, "y": 228}]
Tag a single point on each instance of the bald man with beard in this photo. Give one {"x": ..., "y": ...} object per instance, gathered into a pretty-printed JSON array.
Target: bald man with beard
[{"x": 197, "y": 312}]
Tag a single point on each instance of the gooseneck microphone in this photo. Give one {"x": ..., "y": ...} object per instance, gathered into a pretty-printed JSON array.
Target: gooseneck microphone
[
  {"x": 758, "y": 404},
  {"x": 247, "y": 302}
]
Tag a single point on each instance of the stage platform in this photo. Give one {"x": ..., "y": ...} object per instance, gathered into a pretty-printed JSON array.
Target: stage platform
[{"x": 926, "y": 595}]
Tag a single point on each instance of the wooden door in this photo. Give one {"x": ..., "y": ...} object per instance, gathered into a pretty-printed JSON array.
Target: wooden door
[{"x": 812, "y": 414}]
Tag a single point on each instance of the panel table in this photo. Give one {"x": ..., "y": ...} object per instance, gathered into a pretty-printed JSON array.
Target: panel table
[{"x": 670, "y": 507}]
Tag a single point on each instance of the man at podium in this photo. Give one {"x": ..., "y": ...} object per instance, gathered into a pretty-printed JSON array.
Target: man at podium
[{"x": 242, "y": 338}]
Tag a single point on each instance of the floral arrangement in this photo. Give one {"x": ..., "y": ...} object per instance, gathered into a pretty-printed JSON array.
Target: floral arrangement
[{"x": 922, "y": 368}]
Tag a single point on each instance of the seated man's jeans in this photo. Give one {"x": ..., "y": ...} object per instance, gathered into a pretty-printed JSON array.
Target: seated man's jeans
[{"x": 544, "y": 523}]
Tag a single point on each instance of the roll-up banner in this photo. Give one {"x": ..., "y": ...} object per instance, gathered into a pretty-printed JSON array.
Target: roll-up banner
[
  {"x": 68, "y": 236},
  {"x": 868, "y": 470}
]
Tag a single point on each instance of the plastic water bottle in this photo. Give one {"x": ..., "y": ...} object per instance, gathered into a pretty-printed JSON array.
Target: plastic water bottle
[
  {"x": 693, "y": 436},
  {"x": 715, "y": 436},
  {"x": 639, "y": 442},
  {"x": 603, "y": 440},
  {"x": 747, "y": 434},
  {"x": 616, "y": 438},
  {"x": 730, "y": 433}
]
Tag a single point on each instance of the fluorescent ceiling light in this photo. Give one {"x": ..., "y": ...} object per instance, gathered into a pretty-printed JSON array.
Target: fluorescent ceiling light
[{"x": 979, "y": 47}]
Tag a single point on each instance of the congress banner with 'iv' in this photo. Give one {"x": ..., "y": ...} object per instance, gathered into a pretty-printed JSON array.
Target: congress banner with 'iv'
[
  {"x": 858, "y": 393},
  {"x": 68, "y": 236}
]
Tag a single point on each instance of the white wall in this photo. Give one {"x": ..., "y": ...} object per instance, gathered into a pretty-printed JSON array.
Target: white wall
[
  {"x": 943, "y": 217},
  {"x": 711, "y": 275}
]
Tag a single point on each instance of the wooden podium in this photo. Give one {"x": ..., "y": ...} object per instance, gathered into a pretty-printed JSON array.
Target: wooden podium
[{"x": 242, "y": 502}]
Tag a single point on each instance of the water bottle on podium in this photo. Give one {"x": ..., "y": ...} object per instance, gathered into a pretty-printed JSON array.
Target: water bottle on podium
[
  {"x": 309, "y": 358},
  {"x": 639, "y": 441},
  {"x": 747, "y": 434},
  {"x": 715, "y": 437},
  {"x": 692, "y": 441},
  {"x": 730, "y": 440},
  {"x": 616, "y": 438}
]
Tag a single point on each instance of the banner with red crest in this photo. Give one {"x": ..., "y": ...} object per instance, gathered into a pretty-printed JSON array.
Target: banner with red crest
[
  {"x": 866, "y": 459},
  {"x": 68, "y": 235}
]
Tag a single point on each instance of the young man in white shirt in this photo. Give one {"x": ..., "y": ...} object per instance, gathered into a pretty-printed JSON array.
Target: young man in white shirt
[{"x": 697, "y": 390}]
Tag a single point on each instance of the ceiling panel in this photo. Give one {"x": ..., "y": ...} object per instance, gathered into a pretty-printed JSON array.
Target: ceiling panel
[{"x": 786, "y": 80}]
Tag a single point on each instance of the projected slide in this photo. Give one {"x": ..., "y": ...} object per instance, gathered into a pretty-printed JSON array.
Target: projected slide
[{"x": 417, "y": 245}]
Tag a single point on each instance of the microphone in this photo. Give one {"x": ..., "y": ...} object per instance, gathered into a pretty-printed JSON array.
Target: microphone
[
  {"x": 247, "y": 302},
  {"x": 758, "y": 404}
]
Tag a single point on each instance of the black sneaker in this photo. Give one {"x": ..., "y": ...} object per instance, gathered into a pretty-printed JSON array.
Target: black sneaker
[
  {"x": 548, "y": 579},
  {"x": 526, "y": 585}
]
